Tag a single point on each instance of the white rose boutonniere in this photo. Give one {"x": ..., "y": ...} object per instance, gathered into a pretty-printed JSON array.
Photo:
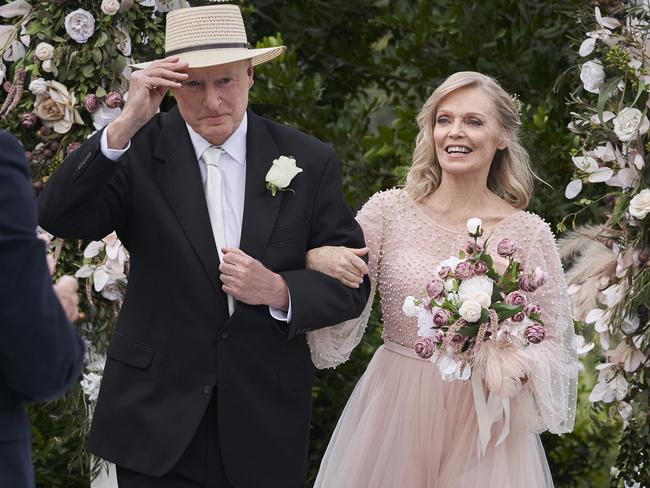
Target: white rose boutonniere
[{"x": 282, "y": 171}]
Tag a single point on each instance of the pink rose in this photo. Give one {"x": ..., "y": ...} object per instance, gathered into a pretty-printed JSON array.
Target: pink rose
[
  {"x": 464, "y": 270},
  {"x": 72, "y": 147},
  {"x": 532, "y": 308},
  {"x": 91, "y": 103},
  {"x": 472, "y": 247},
  {"x": 539, "y": 277},
  {"x": 435, "y": 287},
  {"x": 113, "y": 100},
  {"x": 438, "y": 335},
  {"x": 518, "y": 317},
  {"x": 424, "y": 347},
  {"x": 440, "y": 316},
  {"x": 28, "y": 120},
  {"x": 535, "y": 333},
  {"x": 480, "y": 268},
  {"x": 531, "y": 282},
  {"x": 506, "y": 248},
  {"x": 444, "y": 271},
  {"x": 458, "y": 342},
  {"x": 516, "y": 298}
]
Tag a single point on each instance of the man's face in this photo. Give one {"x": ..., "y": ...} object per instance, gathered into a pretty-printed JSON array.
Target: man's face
[{"x": 213, "y": 100}]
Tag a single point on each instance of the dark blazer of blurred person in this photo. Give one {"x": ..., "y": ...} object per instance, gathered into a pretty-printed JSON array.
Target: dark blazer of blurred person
[{"x": 40, "y": 353}]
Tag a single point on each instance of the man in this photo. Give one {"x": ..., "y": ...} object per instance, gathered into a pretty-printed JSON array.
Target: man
[
  {"x": 208, "y": 378},
  {"x": 40, "y": 353}
]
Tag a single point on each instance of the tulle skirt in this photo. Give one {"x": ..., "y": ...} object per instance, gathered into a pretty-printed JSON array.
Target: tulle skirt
[{"x": 404, "y": 427}]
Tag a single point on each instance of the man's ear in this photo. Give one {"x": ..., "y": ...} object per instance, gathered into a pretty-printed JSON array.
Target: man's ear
[{"x": 250, "y": 72}]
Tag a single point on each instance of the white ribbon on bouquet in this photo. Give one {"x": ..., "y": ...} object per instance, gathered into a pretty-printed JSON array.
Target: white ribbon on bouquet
[{"x": 488, "y": 412}]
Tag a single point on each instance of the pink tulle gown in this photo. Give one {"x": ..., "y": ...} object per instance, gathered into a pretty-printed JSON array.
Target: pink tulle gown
[{"x": 403, "y": 426}]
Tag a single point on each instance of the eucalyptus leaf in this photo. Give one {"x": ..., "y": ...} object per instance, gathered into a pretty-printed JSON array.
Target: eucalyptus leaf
[
  {"x": 88, "y": 70},
  {"x": 505, "y": 310},
  {"x": 101, "y": 40},
  {"x": 605, "y": 92},
  {"x": 97, "y": 56},
  {"x": 469, "y": 331}
]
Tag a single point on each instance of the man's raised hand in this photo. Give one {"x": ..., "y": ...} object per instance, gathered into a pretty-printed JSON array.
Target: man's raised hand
[{"x": 146, "y": 90}]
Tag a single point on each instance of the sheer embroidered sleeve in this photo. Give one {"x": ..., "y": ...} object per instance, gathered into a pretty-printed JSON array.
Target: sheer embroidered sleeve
[
  {"x": 332, "y": 346},
  {"x": 549, "y": 402}
]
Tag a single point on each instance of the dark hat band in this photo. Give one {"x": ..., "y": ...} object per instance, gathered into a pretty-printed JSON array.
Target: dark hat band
[{"x": 203, "y": 47}]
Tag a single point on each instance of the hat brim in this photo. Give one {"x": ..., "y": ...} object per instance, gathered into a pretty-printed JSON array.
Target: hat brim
[{"x": 215, "y": 57}]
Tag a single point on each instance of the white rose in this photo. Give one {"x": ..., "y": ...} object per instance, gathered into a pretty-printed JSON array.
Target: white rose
[
  {"x": 630, "y": 122},
  {"x": 110, "y": 7},
  {"x": 478, "y": 289},
  {"x": 482, "y": 298},
  {"x": 410, "y": 308},
  {"x": 47, "y": 66},
  {"x": 640, "y": 204},
  {"x": 38, "y": 86},
  {"x": 282, "y": 172},
  {"x": 474, "y": 227},
  {"x": 80, "y": 25},
  {"x": 592, "y": 76},
  {"x": 451, "y": 284},
  {"x": 470, "y": 310},
  {"x": 44, "y": 51}
]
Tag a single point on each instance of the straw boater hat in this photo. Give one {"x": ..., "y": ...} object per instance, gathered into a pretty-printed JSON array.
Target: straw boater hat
[{"x": 209, "y": 36}]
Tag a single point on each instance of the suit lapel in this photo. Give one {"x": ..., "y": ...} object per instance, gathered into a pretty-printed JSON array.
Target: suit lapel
[
  {"x": 260, "y": 207},
  {"x": 179, "y": 179}
]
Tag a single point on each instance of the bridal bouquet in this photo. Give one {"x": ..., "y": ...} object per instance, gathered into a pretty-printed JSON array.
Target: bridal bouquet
[{"x": 475, "y": 320}]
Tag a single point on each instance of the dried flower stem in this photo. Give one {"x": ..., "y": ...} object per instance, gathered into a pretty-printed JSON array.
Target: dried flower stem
[{"x": 15, "y": 94}]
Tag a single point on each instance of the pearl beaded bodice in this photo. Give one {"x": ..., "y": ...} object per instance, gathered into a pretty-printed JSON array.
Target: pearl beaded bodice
[{"x": 406, "y": 245}]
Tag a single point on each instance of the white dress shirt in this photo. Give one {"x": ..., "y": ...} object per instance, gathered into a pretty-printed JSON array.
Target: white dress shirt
[{"x": 232, "y": 166}]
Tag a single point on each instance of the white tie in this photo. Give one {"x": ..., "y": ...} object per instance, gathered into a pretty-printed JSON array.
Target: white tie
[{"x": 211, "y": 157}]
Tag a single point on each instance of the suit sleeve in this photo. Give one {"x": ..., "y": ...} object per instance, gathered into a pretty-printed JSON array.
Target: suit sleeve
[
  {"x": 40, "y": 353},
  {"x": 87, "y": 196},
  {"x": 319, "y": 300}
]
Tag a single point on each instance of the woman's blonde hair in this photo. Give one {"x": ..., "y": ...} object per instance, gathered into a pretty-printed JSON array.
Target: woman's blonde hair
[{"x": 510, "y": 174}]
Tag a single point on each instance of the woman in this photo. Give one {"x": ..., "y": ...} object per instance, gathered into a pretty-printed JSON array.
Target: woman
[{"x": 404, "y": 426}]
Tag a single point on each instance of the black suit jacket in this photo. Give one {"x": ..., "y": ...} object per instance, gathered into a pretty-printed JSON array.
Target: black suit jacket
[
  {"x": 40, "y": 354},
  {"x": 174, "y": 343}
]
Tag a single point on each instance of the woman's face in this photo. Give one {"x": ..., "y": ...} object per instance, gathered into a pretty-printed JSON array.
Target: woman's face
[{"x": 466, "y": 132}]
